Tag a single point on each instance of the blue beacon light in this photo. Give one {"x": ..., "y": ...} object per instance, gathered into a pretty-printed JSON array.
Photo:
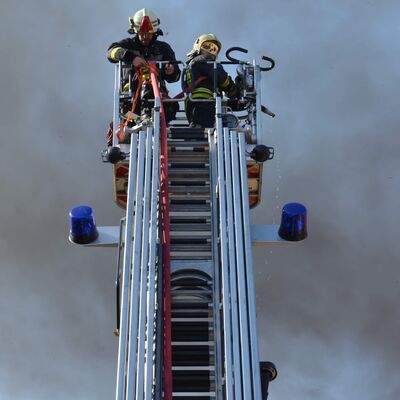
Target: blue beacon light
[
  {"x": 82, "y": 225},
  {"x": 294, "y": 222}
]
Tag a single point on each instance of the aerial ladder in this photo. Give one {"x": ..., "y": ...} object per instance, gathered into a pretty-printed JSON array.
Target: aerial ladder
[{"x": 186, "y": 312}]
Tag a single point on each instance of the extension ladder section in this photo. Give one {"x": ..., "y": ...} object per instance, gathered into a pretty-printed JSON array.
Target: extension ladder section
[
  {"x": 192, "y": 302},
  {"x": 239, "y": 331},
  {"x": 139, "y": 296},
  {"x": 189, "y": 233}
]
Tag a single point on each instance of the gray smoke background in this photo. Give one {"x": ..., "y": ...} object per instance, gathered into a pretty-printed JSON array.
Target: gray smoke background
[{"x": 328, "y": 307}]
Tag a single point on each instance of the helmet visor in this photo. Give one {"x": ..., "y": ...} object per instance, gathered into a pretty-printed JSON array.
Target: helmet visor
[{"x": 210, "y": 47}]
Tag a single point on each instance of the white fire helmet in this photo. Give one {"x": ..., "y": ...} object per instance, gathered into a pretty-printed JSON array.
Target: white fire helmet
[{"x": 144, "y": 21}]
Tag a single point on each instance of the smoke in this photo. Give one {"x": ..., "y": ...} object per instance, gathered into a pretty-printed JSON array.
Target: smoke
[{"x": 327, "y": 307}]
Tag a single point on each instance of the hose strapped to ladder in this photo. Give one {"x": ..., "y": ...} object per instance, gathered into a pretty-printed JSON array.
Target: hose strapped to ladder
[
  {"x": 119, "y": 132},
  {"x": 139, "y": 72},
  {"x": 165, "y": 238}
]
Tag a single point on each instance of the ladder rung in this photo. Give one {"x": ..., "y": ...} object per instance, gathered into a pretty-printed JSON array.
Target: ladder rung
[
  {"x": 185, "y": 219},
  {"x": 189, "y": 214},
  {"x": 188, "y": 135},
  {"x": 194, "y": 343},
  {"x": 204, "y": 195},
  {"x": 185, "y": 247},
  {"x": 184, "y": 156},
  {"x": 186, "y": 164},
  {"x": 206, "y": 228},
  {"x": 183, "y": 303},
  {"x": 178, "y": 287},
  {"x": 191, "y": 292},
  {"x": 199, "y": 319},
  {"x": 195, "y": 349},
  {"x": 190, "y": 281},
  {"x": 188, "y": 173},
  {"x": 192, "y": 312},
  {"x": 184, "y": 326},
  {"x": 183, "y": 166},
  {"x": 201, "y": 256},
  {"x": 188, "y": 145},
  {"x": 189, "y": 189},
  {"x": 185, "y": 129},
  {"x": 190, "y": 207},
  {"x": 195, "y": 395},
  {"x": 186, "y": 234},
  {"x": 191, "y": 358},
  {"x": 189, "y": 182},
  {"x": 194, "y": 255},
  {"x": 191, "y": 242},
  {"x": 189, "y": 200},
  {"x": 194, "y": 368}
]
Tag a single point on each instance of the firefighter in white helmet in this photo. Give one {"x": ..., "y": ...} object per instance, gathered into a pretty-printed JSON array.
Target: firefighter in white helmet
[
  {"x": 199, "y": 77},
  {"x": 142, "y": 47}
]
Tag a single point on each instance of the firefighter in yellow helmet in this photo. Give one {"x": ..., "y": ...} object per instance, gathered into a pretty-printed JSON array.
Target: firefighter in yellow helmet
[
  {"x": 142, "y": 47},
  {"x": 199, "y": 78}
]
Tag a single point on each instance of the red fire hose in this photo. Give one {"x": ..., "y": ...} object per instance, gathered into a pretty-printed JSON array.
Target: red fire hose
[{"x": 165, "y": 238}]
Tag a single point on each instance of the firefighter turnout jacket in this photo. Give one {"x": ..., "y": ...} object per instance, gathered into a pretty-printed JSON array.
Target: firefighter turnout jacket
[
  {"x": 199, "y": 77},
  {"x": 201, "y": 80},
  {"x": 127, "y": 49}
]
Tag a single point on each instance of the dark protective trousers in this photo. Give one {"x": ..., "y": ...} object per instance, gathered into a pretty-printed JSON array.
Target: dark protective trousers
[{"x": 201, "y": 113}]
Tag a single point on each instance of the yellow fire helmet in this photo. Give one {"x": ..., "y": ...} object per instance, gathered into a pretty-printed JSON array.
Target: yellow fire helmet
[{"x": 206, "y": 42}]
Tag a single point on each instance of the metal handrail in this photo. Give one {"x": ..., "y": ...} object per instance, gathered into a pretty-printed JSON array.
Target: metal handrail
[
  {"x": 255, "y": 362},
  {"x": 225, "y": 272},
  {"x": 123, "y": 328},
  {"x": 233, "y": 295}
]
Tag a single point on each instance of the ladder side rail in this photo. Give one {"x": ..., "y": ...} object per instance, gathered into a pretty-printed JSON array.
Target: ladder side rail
[
  {"x": 118, "y": 272},
  {"x": 223, "y": 223},
  {"x": 215, "y": 260},
  {"x": 117, "y": 90},
  {"x": 216, "y": 278},
  {"x": 257, "y": 88},
  {"x": 243, "y": 315},
  {"x": 144, "y": 269},
  {"x": 136, "y": 271},
  {"x": 158, "y": 390},
  {"x": 232, "y": 270},
  {"x": 151, "y": 304},
  {"x": 124, "y": 316},
  {"x": 255, "y": 363}
]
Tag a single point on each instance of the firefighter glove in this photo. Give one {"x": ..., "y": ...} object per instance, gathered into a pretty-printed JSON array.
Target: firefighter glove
[
  {"x": 125, "y": 55},
  {"x": 239, "y": 81},
  {"x": 234, "y": 93}
]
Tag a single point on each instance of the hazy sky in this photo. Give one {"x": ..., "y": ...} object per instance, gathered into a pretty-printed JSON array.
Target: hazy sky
[{"x": 328, "y": 312}]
